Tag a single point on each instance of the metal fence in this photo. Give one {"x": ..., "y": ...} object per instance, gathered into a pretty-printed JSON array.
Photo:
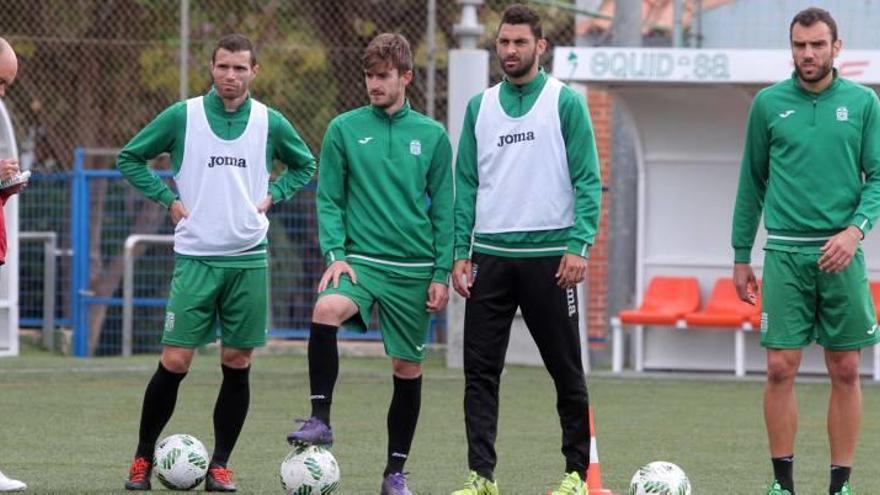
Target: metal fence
[
  {"x": 93, "y": 72},
  {"x": 45, "y": 207}
]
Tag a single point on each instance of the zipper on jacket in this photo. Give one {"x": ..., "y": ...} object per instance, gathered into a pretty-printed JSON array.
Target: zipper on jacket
[
  {"x": 814, "y": 113},
  {"x": 389, "y": 117}
]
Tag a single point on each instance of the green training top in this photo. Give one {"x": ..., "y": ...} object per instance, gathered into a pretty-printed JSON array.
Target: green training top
[
  {"x": 167, "y": 133},
  {"x": 811, "y": 162},
  {"x": 583, "y": 165},
  {"x": 375, "y": 173}
]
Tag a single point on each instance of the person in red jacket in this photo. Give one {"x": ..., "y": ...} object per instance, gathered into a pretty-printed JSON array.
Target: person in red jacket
[{"x": 8, "y": 170}]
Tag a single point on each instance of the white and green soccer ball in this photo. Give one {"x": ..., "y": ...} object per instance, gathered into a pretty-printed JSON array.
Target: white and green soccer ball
[
  {"x": 660, "y": 478},
  {"x": 309, "y": 470},
  {"x": 181, "y": 462}
]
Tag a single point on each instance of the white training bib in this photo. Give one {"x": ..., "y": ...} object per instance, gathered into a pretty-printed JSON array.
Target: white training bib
[
  {"x": 220, "y": 182},
  {"x": 524, "y": 182}
]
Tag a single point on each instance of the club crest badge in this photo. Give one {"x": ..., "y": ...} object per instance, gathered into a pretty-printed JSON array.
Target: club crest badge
[{"x": 415, "y": 147}]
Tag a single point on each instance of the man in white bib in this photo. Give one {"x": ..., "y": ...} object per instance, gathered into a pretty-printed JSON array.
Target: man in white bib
[
  {"x": 526, "y": 212},
  {"x": 222, "y": 146}
]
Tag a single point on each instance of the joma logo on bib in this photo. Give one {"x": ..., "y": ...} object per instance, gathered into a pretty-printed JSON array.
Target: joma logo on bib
[
  {"x": 515, "y": 138},
  {"x": 231, "y": 161}
]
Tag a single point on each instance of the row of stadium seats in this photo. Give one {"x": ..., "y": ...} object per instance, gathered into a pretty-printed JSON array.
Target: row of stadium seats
[{"x": 675, "y": 302}]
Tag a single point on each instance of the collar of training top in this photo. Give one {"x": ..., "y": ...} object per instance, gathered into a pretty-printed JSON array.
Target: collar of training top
[
  {"x": 824, "y": 93},
  {"x": 532, "y": 86},
  {"x": 215, "y": 103},
  {"x": 399, "y": 114}
]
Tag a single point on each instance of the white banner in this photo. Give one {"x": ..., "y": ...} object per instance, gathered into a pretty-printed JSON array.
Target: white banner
[{"x": 683, "y": 65}]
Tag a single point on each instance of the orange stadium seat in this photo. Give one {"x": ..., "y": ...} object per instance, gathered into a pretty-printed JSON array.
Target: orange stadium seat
[
  {"x": 666, "y": 301},
  {"x": 724, "y": 308}
]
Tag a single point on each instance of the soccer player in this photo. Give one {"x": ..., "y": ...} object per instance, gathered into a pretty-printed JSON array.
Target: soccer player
[
  {"x": 812, "y": 164},
  {"x": 526, "y": 212},
  {"x": 222, "y": 147},
  {"x": 8, "y": 170},
  {"x": 385, "y": 245}
]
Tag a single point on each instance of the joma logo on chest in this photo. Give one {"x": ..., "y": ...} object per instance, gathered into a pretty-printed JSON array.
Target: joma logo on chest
[
  {"x": 230, "y": 161},
  {"x": 515, "y": 138}
]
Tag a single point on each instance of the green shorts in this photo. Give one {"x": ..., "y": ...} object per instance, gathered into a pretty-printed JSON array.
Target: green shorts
[
  {"x": 801, "y": 303},
  {"x": 235, "y": 299},
  {"x": 403, "y": 317}
]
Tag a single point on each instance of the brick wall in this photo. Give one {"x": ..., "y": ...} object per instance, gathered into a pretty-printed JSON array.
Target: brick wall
[{"x": 600, "y": 103}]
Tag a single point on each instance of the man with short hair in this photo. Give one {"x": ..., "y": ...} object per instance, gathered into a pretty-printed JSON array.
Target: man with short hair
[
  {"x": 526, "y": 212},
  {"x": 8, "y": 170},
  {"x": 812, "y": 164},
  {"x": 385, "y": 226},
  {"x": 222, "y": 148}
]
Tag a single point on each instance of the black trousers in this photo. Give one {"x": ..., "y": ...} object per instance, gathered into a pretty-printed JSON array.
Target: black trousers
[{"x": 550, "y": 312}]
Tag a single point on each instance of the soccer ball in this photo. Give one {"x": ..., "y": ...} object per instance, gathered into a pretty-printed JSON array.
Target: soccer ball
[
  {"x": 660, "y": 478},
  {"x": 309, "y": 470},
  {"x": 181, "y": 462}
]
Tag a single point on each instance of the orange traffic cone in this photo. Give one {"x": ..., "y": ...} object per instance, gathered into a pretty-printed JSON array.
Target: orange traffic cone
[{"x": 594, "y": 473}]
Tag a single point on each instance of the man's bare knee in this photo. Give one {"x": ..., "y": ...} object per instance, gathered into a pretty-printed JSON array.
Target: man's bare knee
[
  {"x": 781, "y": 368},
  {"x": 236, "y": 358},
  {"x": 177, "y": 359},
  {"x": 407, "y": 370},
  {"x": 843, "y": 368},
  {"x": 333, "y": 310}
]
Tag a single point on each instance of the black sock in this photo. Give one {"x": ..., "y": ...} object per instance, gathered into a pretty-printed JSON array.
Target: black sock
[
  {"x": 403, "y": 414},
  {"x": 783, "y": 469},
  {"x": 323, "y": 368},
  {"x": 159, "y": 400},
  {"x": 230, "y": 411},
  {"x": 839, "y": 476}
]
